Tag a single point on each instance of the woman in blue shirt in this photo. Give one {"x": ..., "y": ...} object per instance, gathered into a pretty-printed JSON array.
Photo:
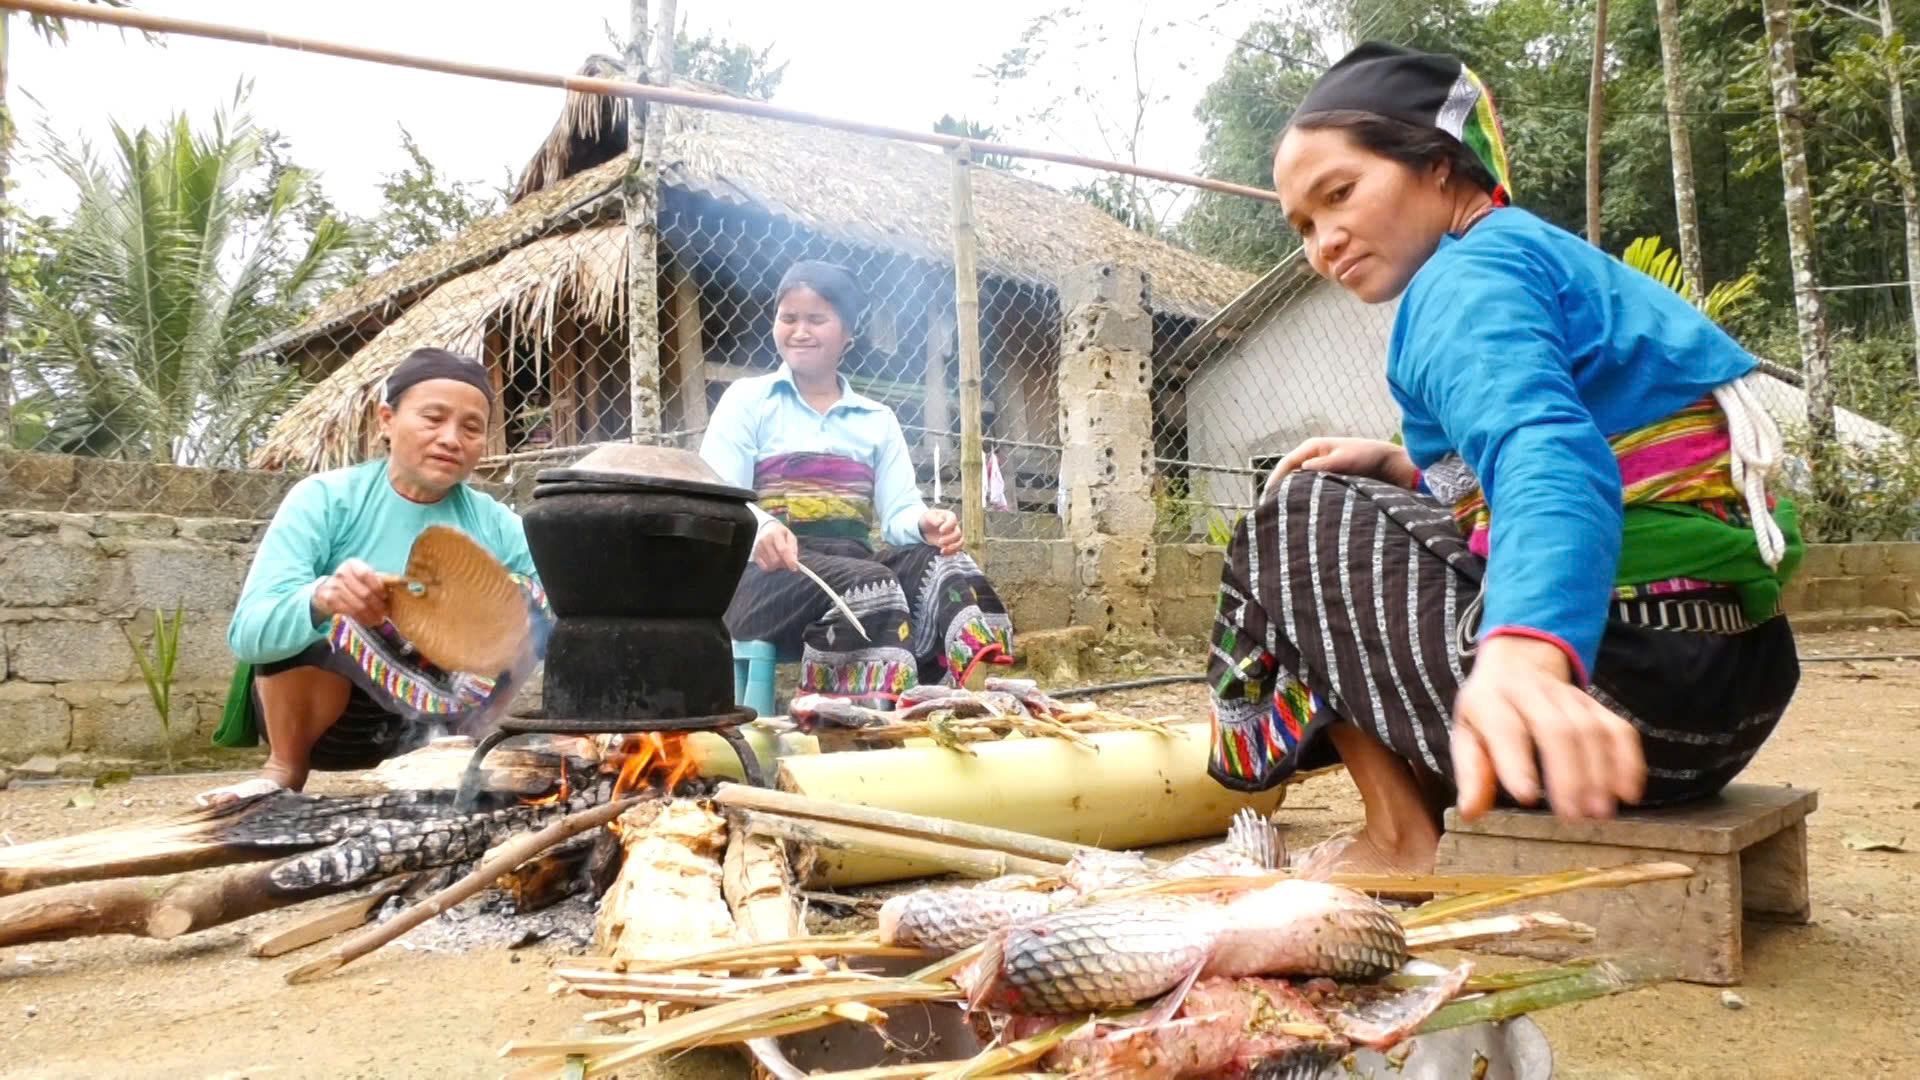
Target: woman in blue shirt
[
  {"x": 831, "y": 468},
  {"x": 1566, "y": 582}
]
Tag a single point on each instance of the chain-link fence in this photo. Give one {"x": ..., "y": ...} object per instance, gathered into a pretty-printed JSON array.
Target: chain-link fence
[{"x": 205, "y": 400}]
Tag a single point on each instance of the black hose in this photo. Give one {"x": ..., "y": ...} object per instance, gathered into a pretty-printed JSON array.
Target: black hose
[{"x": 1131, "y": 684}]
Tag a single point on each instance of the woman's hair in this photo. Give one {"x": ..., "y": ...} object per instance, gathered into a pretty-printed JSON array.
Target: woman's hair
[
  {"x": 1412, "y": 145},
  {"x": 835, "y": 284}
]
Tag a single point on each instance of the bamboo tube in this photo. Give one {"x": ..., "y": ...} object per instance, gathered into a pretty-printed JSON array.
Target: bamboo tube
[{"x": 1135, "y": 789}]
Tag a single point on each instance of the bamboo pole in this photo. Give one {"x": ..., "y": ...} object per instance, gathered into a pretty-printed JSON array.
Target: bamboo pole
[
  {"x": 164, "y": 24},
  {"x": 974, "y": 862},
  {"x": 789, "y": 804},
  {"x": 966, "y": 304}
]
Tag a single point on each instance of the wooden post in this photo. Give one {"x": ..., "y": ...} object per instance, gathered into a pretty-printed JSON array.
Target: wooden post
[
  {"x": 689, "y": 351},
  {"x": 640, "y": 193},
  {"x": 495, "y": 354},
  {"x": 966, "y": 304}
]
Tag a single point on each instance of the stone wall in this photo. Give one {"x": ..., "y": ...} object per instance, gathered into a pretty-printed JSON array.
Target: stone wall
[
  {"x": 72, "y": 586},
  {"x": 1839, "y": 584}
]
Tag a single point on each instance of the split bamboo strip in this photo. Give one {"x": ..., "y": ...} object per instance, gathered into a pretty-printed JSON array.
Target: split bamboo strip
[
  {"x": 1548, "y": 885},
  {"x": 1466, "y": 932},
  {"x": 792, "y": 805},
  {"x": 966, "y": 306},
  {"x": 335, "y": 920},
  {"x": 1597, "y": 980},
  {"x": 995, "y": 1061},
  {"x": 510, "y": 855},
  {"x": 834, "y": 836},
  {"x": 163, "y": 24}
]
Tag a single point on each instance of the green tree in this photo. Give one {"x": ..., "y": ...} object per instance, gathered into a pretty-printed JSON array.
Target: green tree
[
  {"x": 52, "y": 29},
  {"x": 420, "y": 206},
  {"x": 144, "y": 300},
  {"x": 737, "y": 68}
]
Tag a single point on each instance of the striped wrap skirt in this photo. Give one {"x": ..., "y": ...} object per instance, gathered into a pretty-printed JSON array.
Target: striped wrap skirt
[{"x": 1348, "y": 599}]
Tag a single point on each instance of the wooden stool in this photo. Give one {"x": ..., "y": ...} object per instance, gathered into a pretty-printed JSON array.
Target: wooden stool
[{"x": 1748, "y": 848}]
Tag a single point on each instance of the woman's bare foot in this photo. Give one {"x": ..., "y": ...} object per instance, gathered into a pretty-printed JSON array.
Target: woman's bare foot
[
  {"x": 1362, "y": 853},
  {"x": 274, "y": 777}
]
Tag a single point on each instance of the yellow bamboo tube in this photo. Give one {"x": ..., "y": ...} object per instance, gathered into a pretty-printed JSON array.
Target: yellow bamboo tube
[{"x": 1139, "y": 789}]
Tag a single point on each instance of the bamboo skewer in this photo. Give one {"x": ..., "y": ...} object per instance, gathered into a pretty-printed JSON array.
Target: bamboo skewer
[
  {"x": 987, "y": 837},
  {"x": 976, "y": 862},
  {"x": 509, "y": 855}
]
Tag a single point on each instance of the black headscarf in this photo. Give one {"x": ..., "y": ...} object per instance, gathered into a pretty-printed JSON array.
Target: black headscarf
[
  {"x": 835, "y": 284},
  {"x": 1427, "y": 90},
  {"x": 424, "y": 364}
]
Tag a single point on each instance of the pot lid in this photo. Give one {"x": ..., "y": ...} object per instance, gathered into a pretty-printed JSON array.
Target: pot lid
[{"x": 632, "y": 467}]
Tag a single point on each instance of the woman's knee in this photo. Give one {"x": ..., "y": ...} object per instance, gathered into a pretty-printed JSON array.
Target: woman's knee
[{"x": 304, "y": 692}]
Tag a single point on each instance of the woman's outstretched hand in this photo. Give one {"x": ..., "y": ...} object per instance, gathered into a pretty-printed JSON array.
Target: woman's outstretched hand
[
  {"x": 941, "y": 529},
  {"x": 1382, "y": 461},
  {"x": 775, "y": 548},
  {"x": 1520, "y": 699}
]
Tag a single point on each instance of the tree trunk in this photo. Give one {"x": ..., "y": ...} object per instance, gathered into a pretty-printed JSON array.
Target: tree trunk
[
  {"x": 1686, "y": 209},
  {"x": 1903, "y": 169},
  {"x": 1787, "y": 108},
  {"x": 1596, "y": 102},
  {"x": 641, "y": 194}
]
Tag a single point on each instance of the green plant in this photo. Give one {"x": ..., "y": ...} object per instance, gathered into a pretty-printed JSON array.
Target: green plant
[
  {"x": 1660, "y": 263},
  {"x": 1219, "y": 529},
  {"x": 157, "y": 670}
]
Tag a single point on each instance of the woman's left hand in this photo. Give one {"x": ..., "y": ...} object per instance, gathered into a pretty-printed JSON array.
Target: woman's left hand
[
  {"x": 941, "y": 529},
  {"x": 1519, "y": 700}
]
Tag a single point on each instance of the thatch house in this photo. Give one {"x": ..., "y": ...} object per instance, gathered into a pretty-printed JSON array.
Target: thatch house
[{"x": 539, "y": 289}]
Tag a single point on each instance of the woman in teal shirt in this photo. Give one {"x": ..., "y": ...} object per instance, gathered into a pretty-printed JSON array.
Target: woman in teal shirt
[
  {"x": 315, "y": 583},
  {"x": 1566, "y": 582},
  {"x": 831, "y": 469}
]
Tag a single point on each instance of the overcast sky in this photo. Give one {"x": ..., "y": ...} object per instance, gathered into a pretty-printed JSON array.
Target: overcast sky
[{"x": 899, "y": 63}]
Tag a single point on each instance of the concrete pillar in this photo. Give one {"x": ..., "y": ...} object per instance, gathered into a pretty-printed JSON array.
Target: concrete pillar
[{"x": 1106, "y": 439}]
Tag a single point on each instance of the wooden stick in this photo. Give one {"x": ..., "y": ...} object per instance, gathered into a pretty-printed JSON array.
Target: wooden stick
[
  {"x": 964, "y": 860},
  {"x": 163, "y": 24},
  {"x": 789, "y": 804},
  {"x": 966, "y": 307},
  {"x": 1466, "y": 932},
  {"x": 510, "y": 855},
  {"x": 337, "y": 919},
  {"x": 169, "y": 845}
]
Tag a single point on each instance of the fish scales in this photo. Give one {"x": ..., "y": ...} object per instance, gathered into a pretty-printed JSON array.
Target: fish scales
[
  {"x": 1100, "y": 956},
  {"x": 952, "y": 919}
]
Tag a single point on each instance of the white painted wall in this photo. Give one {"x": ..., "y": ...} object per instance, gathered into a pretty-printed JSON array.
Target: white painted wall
[{"x": 1316, "y": 367}]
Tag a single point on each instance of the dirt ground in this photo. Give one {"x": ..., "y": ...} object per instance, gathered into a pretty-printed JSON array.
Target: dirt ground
[{"x": 1838, "y": 997}]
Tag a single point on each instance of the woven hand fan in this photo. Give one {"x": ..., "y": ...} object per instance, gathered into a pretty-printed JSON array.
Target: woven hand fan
[{"x": 458, "y": 605}]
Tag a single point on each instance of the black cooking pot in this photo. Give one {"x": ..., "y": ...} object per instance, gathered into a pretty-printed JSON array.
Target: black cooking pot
[
  {"x": 639, "y": 532},
  {"x": 638, "y": 669}
]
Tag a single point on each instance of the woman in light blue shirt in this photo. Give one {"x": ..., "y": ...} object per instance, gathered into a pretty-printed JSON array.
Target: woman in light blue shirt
[{"x": 831, "y": 469}]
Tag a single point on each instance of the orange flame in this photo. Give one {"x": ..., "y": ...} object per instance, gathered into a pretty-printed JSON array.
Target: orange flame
[
  {"x": 559, "y": 796},
  {"x": 653, "y": 756}
]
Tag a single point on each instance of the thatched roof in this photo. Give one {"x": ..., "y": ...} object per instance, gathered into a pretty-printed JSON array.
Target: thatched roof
[
  {"x": 582, "y": 272},
  {"x": 870, "y": 192}
]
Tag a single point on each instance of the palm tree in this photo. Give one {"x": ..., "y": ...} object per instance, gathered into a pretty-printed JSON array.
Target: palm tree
[
  {"x": 147, "y": 298},
  {"x": 53, "y": 29}
]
